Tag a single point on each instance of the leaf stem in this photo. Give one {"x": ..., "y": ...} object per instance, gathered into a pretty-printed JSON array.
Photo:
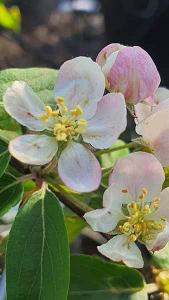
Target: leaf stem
[
  {"x": 19, "y": 180},
  {"x": 129, "y": 145}
]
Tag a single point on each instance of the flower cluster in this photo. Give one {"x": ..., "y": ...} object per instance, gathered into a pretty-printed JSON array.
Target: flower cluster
[{"x": 89, "y": 112}]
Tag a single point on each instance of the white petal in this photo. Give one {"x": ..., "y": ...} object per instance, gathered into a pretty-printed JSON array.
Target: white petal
[
  {"x": 113, "y": 198},
  {"x": 101, "y": 220},
  {"x": 155, "y": 130},
  {"x": 108, "y": 123},
  {"x": 80, "y": 81},
  {"x": 23, "y": 105},
  {"x": 161, "y": 240},
  {"x": 79, "y": 169},
  {"x": 107, "y": 218},
  {"x": 119, "y": 249},
  {"x": 137, "y": 171},
  {"x": 33, "y": 149},
  {"x": 161, "y": 94}
]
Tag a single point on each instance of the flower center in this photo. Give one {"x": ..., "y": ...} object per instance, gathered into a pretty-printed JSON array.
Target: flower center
[
  {"x": 140, "y": 223},
  {"x": 68, "y": 124}
]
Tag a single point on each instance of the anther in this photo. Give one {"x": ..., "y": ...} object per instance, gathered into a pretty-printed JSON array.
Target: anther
[
  {"x": 48, "y": 110},
  {"x": 124, "y": 191},
  {"x": 147, "y": 209},
  {"x": 77, "y": 111},
  {"x": 145, "y": 191},
  {"x": 132, "y": 238},
  {"x": 60, "y": 100},
  {"x": 126, "y": 227}
]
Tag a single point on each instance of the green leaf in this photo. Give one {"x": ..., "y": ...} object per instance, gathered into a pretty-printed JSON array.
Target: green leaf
[
  {"x": 108, "y": 159},
  {"x": 9, "y": 195},
  {"x": 161, "y": 258},
  {"x": 96, "y": 279},
  {"x": 7, "y": 135},
  {"x": 37, "y": 262},
  {"x": 4, "y": 157},
  {"x": 10, "y": 17},
  {"x": 41, "y": 80},
  {"x": 74, "y": 225}
]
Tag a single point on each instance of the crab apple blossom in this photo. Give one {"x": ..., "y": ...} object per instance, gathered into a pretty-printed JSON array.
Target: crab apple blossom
[
  {"x": 149, "y": 106},
  {"x": 129, "y": 70},
  {"x": 135, "y": 208},
  {"x": 80, "y": 115}
]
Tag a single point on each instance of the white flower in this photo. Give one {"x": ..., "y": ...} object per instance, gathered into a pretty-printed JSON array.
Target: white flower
[
  {"x": 134, "y": 209},
  {"x": 80, "y": 113}
]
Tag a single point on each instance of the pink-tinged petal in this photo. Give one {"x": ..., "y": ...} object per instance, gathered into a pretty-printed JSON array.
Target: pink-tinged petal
[
  {"x": 107, "y": 218},
  {"x": 137, "y": 171},
  {"x": 24, "y": 105},
  {"x": 119, "y": 249},
  {"x": 80, "y": 81},
  {"x": 108, "y": 123},
  {"x": 161, "y": 240},
  {"x": 142, "y": 111},
  {"x": 161, "y": 94},
  {"x": 33, "y": 149},
  {"x": 79, "y": 169},
  {"x": 155, "y": 131},
  {"x": 133, "y": 73}
]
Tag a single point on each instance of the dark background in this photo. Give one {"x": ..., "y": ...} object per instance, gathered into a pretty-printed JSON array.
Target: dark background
[{"x": 56, "y": 30}]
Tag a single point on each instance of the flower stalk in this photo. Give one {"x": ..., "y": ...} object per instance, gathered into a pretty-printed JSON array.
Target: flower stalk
[{"x": 129, "y": 146}]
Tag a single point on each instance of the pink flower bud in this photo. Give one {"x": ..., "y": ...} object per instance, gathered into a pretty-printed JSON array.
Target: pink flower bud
[{"x": 129, "y": 70}]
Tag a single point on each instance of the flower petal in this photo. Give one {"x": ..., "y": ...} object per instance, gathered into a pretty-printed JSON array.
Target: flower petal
[
  {"x": 119, "y": 249},
  {"x": 155, "y": 130},
  {"x": 142, "y": 111},
  {"x": 24, "y": 105},
  {"x": 107, "y": 218},
  {"x": 100, "y": 220},
  {"x": 134, "y": 74},
  {"x": 137, "y": 171},
  {"x": 108, "y": 123},
  {"x": 161, "y": 240},
  {"x": 161, "y": 94},
  {"x": 33, "y": 149},
  {"x": 79, "y": 169},
  {"x": 80, "y": 81}
]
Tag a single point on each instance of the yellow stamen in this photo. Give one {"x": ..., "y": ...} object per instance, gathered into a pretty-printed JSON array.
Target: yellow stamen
[
  {"x": 132, "y": 238},
  {"x": 77, "y": 111},
  {"x": 142, "y": 196},
  {"x": 48, "y": 110},
  {"x": 124, "y": 191},
  {"x": 60, "y": 101},
  {"x": 156, "y": 205},
  {"x": 157, "y": 199},
  {"x": 145, "y": 191},
  {"x": 126, "y": 227},
  {"x": 43, "y": 118},
  {"x": 163, "y": 218},
  {"x": 147, "y": 209}
]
